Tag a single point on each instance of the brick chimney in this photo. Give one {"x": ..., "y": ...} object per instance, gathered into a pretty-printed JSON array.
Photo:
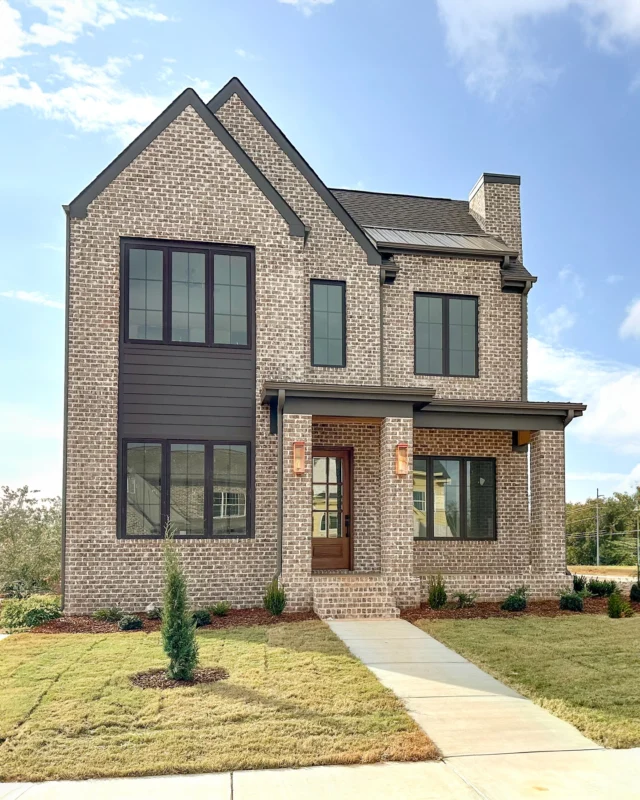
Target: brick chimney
[{"x": 495, "y": 202}]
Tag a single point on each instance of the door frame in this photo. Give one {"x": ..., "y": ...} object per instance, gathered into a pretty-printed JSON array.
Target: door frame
[{"x": 326, "y": 450}]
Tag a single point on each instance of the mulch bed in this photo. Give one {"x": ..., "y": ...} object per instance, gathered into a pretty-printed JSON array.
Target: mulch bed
[
  {"x": 235, "y": 617},
  {"x": 157, "y": 678},
  {"x": 537, "y": 608}
]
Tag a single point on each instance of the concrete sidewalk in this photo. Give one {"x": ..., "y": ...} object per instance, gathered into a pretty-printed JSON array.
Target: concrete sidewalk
[{"x": 462, "y": 709}]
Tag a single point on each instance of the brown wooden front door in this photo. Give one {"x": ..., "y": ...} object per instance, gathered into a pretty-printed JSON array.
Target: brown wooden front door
[{"x": 331, "y": 531}]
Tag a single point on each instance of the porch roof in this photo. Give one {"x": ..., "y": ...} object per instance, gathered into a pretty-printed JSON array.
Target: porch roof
[{"x": 428, "y": 411}]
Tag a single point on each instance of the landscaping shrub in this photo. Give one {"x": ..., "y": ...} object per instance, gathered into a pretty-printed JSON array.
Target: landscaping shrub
[
  {"x": 571, "y": 601},
  {"x": 579, "y": 583},
  {"x": 130, "y": 622},
  {"x": 154, "y": 612},
  {"x": 618, "y": 607},
  {"x": 108, "y": 614},
  {"x": 201, "y": 617},
  {"x": 517, "y": 600},
  {"x": 220, "y": 609},
  {"x": 437, "y": 596},
  {"x": 30, "y": 537},
  {"x": 634, "y": 594},
  {"x": 465, "y": 600},
  {"x": 178, "y": 627},
  {"x": 275, "y": 598},
  {"x": 601, "y": 588},
  {"x": 29, "y": 612}
]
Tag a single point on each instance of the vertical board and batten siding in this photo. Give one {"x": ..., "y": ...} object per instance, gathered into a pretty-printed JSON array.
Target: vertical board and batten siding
[{"x": 179, "y": 392}]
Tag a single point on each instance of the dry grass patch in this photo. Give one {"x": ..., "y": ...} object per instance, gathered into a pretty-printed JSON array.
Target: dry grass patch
[
  {"x": 294, "y": 697},
  {"x": 584, "y": 669}
]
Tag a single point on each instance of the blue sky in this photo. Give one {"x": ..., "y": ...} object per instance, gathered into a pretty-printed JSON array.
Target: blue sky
[{"x": 418, "y": 96}]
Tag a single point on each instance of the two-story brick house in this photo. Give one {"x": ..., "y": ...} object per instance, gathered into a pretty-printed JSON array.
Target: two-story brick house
[{"x": 322, "y": 384}]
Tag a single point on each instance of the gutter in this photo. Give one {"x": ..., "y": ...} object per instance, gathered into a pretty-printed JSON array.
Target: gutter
[
  {"x": 524, "y": 321},
  {"x": 280, "y": 489},
  {"x": 65, "y": 412}
]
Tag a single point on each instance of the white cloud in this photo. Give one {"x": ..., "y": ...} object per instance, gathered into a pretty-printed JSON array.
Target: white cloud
[
  {"x": 489, "y": 38},
  {"x": 570, "y": 276},
  {"x": 32, "y": 297},
  {"x": 556, "y": 322},
  {"x": 610, "y": 389},
  {"x": 246, "y": 54},
  {"x": 630, "y": 328},
  {"x": 94, "y": 99},
  {"x": 307, "y": 6},
  {"x": 64, "y": 22},
  {"x": 613, "y": 279}
]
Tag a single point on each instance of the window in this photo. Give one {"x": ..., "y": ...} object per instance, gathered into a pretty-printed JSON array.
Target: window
[
  {"x": 454, "y": 498},
  {"x": 446, "y": 335},
  {"x": 183, "y": 294},
  {"x": 328, "y": 333},
  {"x": 201, "y": 488}
]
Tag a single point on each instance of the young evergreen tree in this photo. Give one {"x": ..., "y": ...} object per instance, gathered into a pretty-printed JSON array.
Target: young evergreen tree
[{"x": 178, "y": 627}]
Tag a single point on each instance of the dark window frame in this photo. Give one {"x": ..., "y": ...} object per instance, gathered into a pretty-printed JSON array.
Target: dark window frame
[
  {"x": 463, "y": 460},
  {"x": 446, "y": 372},
  {"x": 209, "y": 250},
  {"x": 165, "y": 472},
  {"x": 343, "y": 284}
]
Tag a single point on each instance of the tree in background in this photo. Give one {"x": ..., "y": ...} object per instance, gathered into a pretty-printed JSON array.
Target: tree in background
[
  {"x": 30, "y": 542},
  {"x": 617, "y": 513}
]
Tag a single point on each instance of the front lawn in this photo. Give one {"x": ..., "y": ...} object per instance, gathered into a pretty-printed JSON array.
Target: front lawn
[
  {"x": 585, "y": 669},
  {"x": 294, "y": 697}
]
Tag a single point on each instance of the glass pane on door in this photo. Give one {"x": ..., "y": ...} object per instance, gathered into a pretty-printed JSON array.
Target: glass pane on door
[{"x": 327, "y": 497}]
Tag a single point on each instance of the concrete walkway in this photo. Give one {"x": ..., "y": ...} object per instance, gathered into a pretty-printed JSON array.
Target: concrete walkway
[{"x": 462, "y": 709}]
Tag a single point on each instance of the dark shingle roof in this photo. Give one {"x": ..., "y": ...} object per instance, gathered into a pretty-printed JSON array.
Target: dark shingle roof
[{"x": 408, "y": 211}]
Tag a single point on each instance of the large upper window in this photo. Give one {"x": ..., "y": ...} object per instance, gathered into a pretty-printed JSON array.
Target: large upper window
[
  {"x": 328, "y": 331},
  {"x": 201, "y": 488},
  {"x": 446, "y": 335},
  {"x": 187, "y": 294},
  {"x": 454, "y": 498}
]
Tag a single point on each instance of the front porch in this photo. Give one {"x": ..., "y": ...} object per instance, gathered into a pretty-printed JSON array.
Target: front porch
[{"x": 484, "y": 505}]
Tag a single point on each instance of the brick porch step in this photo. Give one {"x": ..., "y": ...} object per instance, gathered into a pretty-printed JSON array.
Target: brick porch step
[{"x": 349, "y": 595}]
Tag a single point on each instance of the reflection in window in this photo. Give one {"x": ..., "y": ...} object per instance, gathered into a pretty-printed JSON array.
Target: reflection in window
[
  {"x": 186, "y": 493},
  {"x": 328, "y": 324},
  {"x": 229, "y": 490},
  {"x": 143, "y": 513},
  {"x": 230, "y": 300},
  {"x": 462, "y": 336},
  {"x": 446, "y": 335},
  {"x": 327, "y": 497},
  {"x": 145, "y": 294},
  {"x": 446, "y": 498},
  {"x": 481, "y": 499},
  {"x": 429, "y": 335},
  {"x": 419, "y": 497},
  {"x": 187, "y": 297}
]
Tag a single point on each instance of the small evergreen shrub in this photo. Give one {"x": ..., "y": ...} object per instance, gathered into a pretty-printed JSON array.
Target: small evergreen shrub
[
  {"x": 220, "y": 609},
  {"x": 437, "y": 596},
  {"x": 178, "y": 627},
  {"x": 108, "y": 614},
  {"x": 275, "y": 598},
  {"x": 634, "y": 594},
  {"x": 29, "y": 612},
  {"x": 24, "y": 587},
  {"x": 601, "y": 588},
  {"x": 201, "y": 616},
  {"x": 618, "y": 606},
  {"x": 579, "y": 583},
  {"x": 465, "y": 600},
  {"x": 154, "y": 612},
  {"x": 571, "y": 601},
  {"x": 516, "y": 601},
  {"x": 130, "y": 622}
]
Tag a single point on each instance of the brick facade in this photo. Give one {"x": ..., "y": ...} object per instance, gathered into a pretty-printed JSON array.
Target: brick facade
[{"x": 185, "y": 186}]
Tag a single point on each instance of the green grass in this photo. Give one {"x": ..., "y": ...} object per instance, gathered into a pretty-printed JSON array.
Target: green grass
[
  {"x": 584, "y": 669},
  {"x": 294, "y": 697}
]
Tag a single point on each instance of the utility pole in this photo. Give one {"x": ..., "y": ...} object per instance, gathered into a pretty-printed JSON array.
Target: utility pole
[{"x": 598, "y": 496}]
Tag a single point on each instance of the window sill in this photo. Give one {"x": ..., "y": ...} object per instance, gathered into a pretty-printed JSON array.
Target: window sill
[{"x": 453, "y": 539}]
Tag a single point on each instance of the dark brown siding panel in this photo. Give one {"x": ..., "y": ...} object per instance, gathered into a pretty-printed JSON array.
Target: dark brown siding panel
[{"x": 187, "y": 392}]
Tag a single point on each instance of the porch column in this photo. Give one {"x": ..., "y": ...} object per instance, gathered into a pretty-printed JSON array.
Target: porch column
[
  {"x": 296, "y": 532},
  {"x": 548, "y": 554},
  {"x": 396, "y": 514}
]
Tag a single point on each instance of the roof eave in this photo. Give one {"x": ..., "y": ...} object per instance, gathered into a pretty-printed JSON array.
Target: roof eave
[{"x": 390, "y": 248}]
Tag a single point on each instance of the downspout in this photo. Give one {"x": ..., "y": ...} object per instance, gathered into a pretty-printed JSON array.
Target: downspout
[
  {"x": 382, "y": 279},
  {"x": 280, "y": 489},
  {"x": 525, "y": 339},
  {"x": 65, "y": 412}
]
